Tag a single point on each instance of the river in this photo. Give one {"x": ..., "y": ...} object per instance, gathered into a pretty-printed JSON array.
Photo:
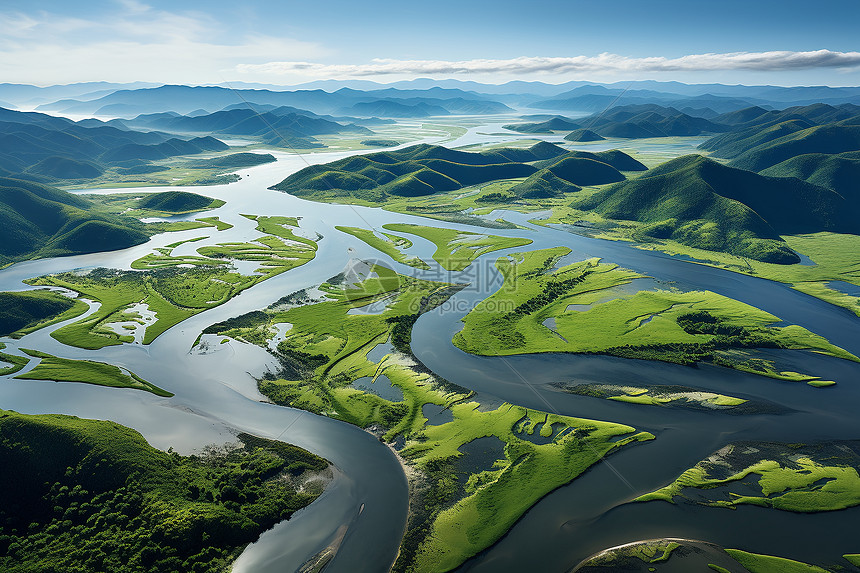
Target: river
[{"x": 216, "y": 396}]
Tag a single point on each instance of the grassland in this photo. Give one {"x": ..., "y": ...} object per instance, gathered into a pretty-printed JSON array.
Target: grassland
[
  {"x": 87, "y": 372},
  {"x": 173, "y": 291},
  {"x": 389, "y": 244},
  {"x": 680, "y": 327},
  {"x": 789, "y": 477},
  {"x": 756, "y": 563},
  {"x": 455, "y": 513},
  {"x": 455, "y": 250},
  {"x": 89, "y": 495},
  {"x": 27, "y": 311}
]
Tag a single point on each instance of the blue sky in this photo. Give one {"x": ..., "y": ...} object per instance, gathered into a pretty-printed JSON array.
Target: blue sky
[{"x": 289, "y": 42}]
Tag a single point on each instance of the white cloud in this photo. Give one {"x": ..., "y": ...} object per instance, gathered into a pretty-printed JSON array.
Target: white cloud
[
  {"x": 133, "y": 43},
  {"x": 603, "y": 63}
]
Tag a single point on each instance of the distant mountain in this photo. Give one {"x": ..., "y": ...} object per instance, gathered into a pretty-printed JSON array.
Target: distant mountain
[
  {"x": 34, "y": 145},
  {"x": 273, "y": 126},
  {"x": 185, "y": 99},
  {"x": 414, "y": 171},
  {"x": 41, "y": 221},
  {"x": 170, "y": 148},
  {"x": 29, "y": 95},
  {"x": 556, "y": 123},
  {"x": 390, "y": 108},
  {"x": 648, "y": 120},
  {"x": 701, "y": 203}
]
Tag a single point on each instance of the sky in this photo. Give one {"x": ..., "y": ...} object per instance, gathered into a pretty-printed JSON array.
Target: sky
[{"x": 286, "y": 42}]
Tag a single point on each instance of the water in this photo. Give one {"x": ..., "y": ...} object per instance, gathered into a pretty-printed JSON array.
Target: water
[{"x": 216, "y": 394}]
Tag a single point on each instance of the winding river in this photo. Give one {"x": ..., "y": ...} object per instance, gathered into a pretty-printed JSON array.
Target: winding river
[{"x": 216, "y": 397}]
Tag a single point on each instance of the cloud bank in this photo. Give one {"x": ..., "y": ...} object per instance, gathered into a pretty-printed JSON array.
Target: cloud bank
[{"x": 603, "y": 63}]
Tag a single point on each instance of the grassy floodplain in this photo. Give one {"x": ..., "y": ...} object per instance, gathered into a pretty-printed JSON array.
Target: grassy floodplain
[
  {"x": 95, "y": 496},
  {"x": 154, "y": 204},
  {"x": 172, "y": 291},
  {"x": 684, "y": 328},
  {"x": 790, "y": 477},
  {"x": 325, "y": 352},
  {"x": 455, "y": 250},
  {"x": 87, "y": 372},
  {"x": 11, "y": 363},
  {"x": 388, "y": 243}
]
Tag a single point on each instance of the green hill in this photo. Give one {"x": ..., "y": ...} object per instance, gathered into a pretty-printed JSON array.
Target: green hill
[
  {"x": 561, "y": 176},
  {"x": 65, "y": 168},
  {"x": 413, "y": 172},
  {"x": 87, "y": 495},
  {"x": 701, "y": 203},
  {"x": 236, "y": 160},
  {"x": 841, "y": 172},
  {"x": 581, "y": 135},
  {"x": 729, "y": 145},
  {"x": 557, "y": 123},
  {"x": 175, "y": 202},
  {"x": 829, "y": 138},
  {"x": 28, "y": 308},
  {"x": 617, "y": 159},
  {"x": 39, "y": 221}
]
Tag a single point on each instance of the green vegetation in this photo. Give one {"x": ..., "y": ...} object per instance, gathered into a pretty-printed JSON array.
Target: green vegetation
[
  {"x": 13, "y": 362},
  {"x": 380, "y": 142},
  {"x": 791, "y": 477},
  {"x": 455, "y": 512},
  {"x": 389, "y": 244},
  {"x": 854, "y": 559},
  {"x": 172, "y": 291},
  {"x": 41, "y": 221},
  {"x": 581, "y": 135},
  {"x": 837, "y": 172},
  {"x": 415, "y": 171},
  {"x": 89, "y": 495},
  {"x": 552, "y": 124},
  {"x": 669, "y": 397},
  {"x": 684, "y": 328},
  {"x": 87, "y": 372},
  {"x": 455, "y": 250},
  {"x": 153, "y": 204},
  {"x": 28, "y": 311},
  {"x": 829, "y": 138},
  {"x": 755, "y": 563},
  {"x": 698, "y": 202}
]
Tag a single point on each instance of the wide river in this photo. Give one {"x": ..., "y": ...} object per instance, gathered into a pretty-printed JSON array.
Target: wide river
[{"x": 216, "y": 396}]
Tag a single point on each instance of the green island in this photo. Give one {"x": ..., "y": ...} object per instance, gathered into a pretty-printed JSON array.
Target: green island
[
  {"x": 95, "y": 496},
  {"x": 459, "y": 506},
  {"x": 791, "y": 477},
  {"x": 170, "y": 289},
  {"x": 86, "y": 372},
  {"x": 531, "y": 313},
  {"x": 682, "y": 397},
  {"x": 27, "y": 311},
  {"x": 388, "y": 243},
  {"x": 656, "y": 555},
  {"x": 455, "y": 250}
]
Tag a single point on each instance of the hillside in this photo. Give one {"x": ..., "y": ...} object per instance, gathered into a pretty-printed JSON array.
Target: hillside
[
  {"x": 276, "y": 123},
  {"x": 89, "y": 495},
  {"x": 556, "y": 123},
  {"x": 829, "y": 138},
  {"x": 583, "y": 135},
  {"x": 170, "y": 148},
  {"x": 390, "y": 108},
  {"x": 617, "y": 159},
  {"x": 40, "y": 221},
  {"x": 414, "y": 171},
  {"x": 176, "y": 202},
  {"x": 840, "y": 172},
  {"x": 28, "y": 308},
  {"x": 701, "y": 203},
  {"x": 649, "y": 120}
]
